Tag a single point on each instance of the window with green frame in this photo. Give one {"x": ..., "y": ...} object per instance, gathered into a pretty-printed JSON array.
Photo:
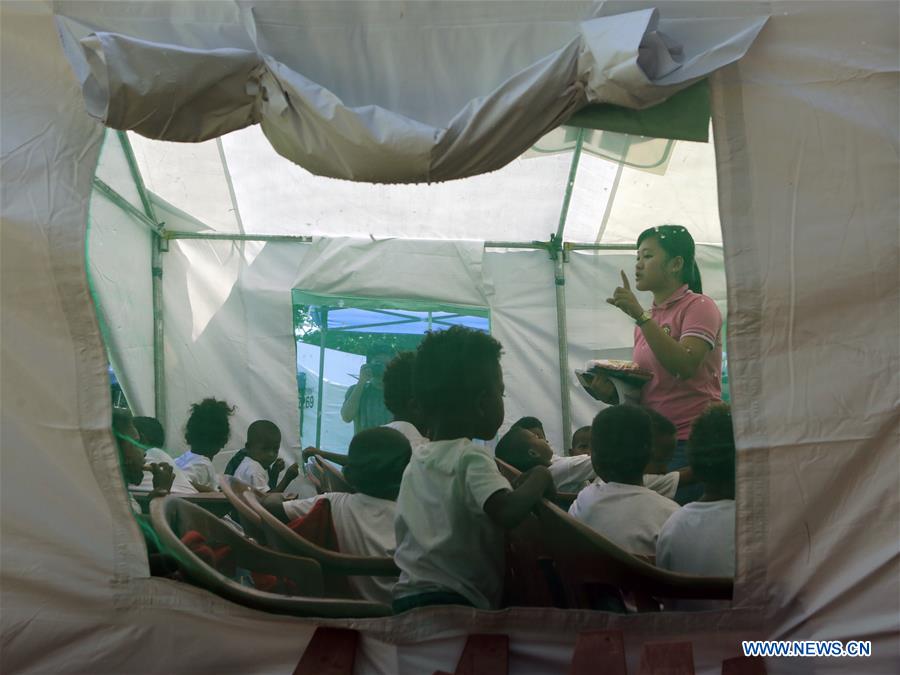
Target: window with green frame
[{"x": 333, "y": 334}]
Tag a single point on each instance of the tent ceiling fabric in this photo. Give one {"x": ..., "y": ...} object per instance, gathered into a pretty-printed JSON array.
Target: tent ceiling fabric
[
  {"x": 520, "y": 202},
  {"x": 397, "y": 116}
]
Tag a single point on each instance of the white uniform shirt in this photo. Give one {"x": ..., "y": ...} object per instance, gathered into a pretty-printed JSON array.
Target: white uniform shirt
[
  {"x": 180, "y": 486},
  {"x": 445, "y": 540},
  {"x": 699, "y": 539},
  {"x": 252, "y": 473},
  {"x": 665, "y": 484},
  {"x": 630, "y": 516},
  {"x": 198, "y": 468},
  {"x": 409, "y": 430},
  {"x": 571, "y": 474},
  {"x": 364, "y": 526}
]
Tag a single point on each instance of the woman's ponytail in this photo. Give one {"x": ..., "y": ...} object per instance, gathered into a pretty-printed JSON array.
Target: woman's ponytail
[{"x": 693, "y": 278}]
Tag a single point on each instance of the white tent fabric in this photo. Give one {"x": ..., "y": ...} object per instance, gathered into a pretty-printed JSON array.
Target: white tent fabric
[
  {"x": 333, "y": 129},
  {"x": 521, "y": 201},
  {"x": 807, "y": 165}
]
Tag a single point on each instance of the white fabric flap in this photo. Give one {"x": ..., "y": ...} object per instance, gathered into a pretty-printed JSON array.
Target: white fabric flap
[{"x": 202, "y": 88}]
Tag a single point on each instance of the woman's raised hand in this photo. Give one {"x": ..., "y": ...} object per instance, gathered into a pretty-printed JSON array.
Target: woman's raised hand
[{"x": 624, "y": 299}]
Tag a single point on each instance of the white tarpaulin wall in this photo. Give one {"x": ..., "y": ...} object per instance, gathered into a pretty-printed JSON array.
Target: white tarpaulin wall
[{"x": 807, "y": 152}]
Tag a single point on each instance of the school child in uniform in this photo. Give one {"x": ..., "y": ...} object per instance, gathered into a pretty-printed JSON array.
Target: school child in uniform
[
  {"x": 398, "y": 397},
  {"x": 454, "y": 504},
  {"x": 523, "y": 450},
  {"x": 131, "y": 459},
  {"x": 618, "y": 506},
  {"x": 206, "y": 433},
  {"x": 699, "y": 537},
  {"x": 261, "y": 465},
  {"x": 363, "y": 521},
  {"x": 153, "y": 438},
  {"x": 397, "y": 383},
  {"x": 581, "y": 442},
  {"x": 532, "y": 424},
  {"x": 657, "y": 477}
]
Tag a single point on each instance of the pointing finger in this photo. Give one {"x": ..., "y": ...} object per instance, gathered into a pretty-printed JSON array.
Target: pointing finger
[{"x": 625, "y": 283}]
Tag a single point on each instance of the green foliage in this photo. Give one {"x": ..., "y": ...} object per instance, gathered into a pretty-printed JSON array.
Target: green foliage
[{"x": 306, "y": 330}]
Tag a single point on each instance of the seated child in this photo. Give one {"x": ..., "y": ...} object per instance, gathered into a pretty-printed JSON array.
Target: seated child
[
  {"x": 206, "y": 433},
  {"x": 153, "y": 438},
  {"x": 532, "y": 424},
  {"x": 363, "y": 521},
  {"x": 657, "y": 477},
  {"x": 131, "y": 458},
  {"x": 398, "y": 398},
  {"x": 699, "y": 537},
  {"x": 454, "y": 504},
  {"x": 619, "y": 506},
  {"x": 581, "y": 442},
  {"x": 261, "y": 465},
  {"x": 523, "y": 450}
]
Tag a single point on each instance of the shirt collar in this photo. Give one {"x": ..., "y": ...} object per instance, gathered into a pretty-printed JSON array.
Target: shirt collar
[{"x": 675, "y": 297}]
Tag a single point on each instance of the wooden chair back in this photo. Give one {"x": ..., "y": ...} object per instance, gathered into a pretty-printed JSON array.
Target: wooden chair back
[
  {"x": 592, "y": 570},
  {"x": 172, "y": 517},
  {"x": 234, "y": 490},
  {"x": 335, "y": 566}
]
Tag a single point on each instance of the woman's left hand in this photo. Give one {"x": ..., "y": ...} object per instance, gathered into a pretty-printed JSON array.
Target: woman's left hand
[{"x": 624, "y": 299}]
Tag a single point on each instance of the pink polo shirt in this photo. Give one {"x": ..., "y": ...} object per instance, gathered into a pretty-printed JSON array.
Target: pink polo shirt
[{"x": 684, "y": 314}]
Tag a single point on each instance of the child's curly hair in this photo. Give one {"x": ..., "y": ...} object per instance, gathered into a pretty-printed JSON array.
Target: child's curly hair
[
  {"x": 452, "y": 366},
  {"x": 398, "y": 383},
  {"x": 711, "y": 446},
  {"x": 208, "y": 429}
]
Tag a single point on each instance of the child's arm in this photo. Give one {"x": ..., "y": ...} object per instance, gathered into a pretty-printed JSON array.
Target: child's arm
[
  {"x": 290, "y": 474},
  {"x": 163, "y": 476},
  {"x": 275, "y": 505},
  {"x": 509, "y": 508},
  {"x": 330, "y": 456}
]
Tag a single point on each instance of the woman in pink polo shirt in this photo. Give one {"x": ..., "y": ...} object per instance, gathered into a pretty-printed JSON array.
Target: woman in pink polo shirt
[{"x": 678, "y": 338}]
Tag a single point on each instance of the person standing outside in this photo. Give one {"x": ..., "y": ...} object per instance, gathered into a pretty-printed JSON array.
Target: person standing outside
[
  {"x": 678, "y": 339},
  {"x": 364, "y": 401}
]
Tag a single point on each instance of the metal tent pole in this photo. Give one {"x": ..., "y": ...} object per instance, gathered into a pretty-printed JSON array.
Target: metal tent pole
[
  {"x": 559, "y": 255},
  {"x": 158, "y": 245},
  {"x": 323, "y": 333}
]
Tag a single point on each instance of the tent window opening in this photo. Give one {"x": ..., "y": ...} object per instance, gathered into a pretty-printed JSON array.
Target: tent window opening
[{"x": 343, "y": 340}]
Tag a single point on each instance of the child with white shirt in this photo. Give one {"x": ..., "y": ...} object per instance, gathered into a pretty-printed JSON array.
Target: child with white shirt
[
  {"x": 618, "y": 506},
  {"x": 152, "y": 436},
  {"x": 699, "y": 537},
  {"x": 532, "y": 424},
  {"x": 206, "y": 433},
  {"x": 398, "y": 398},
  {"x": 261, "y": 465},
  {"x": 132, "y": 460},
  {"x": 581, "y": 442},
  {"x": 454, "y": 504},
  {"x": 657, "y": 476},
  {"x": 363, "y": 521},
  {"x": 523, "y": 450}
]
